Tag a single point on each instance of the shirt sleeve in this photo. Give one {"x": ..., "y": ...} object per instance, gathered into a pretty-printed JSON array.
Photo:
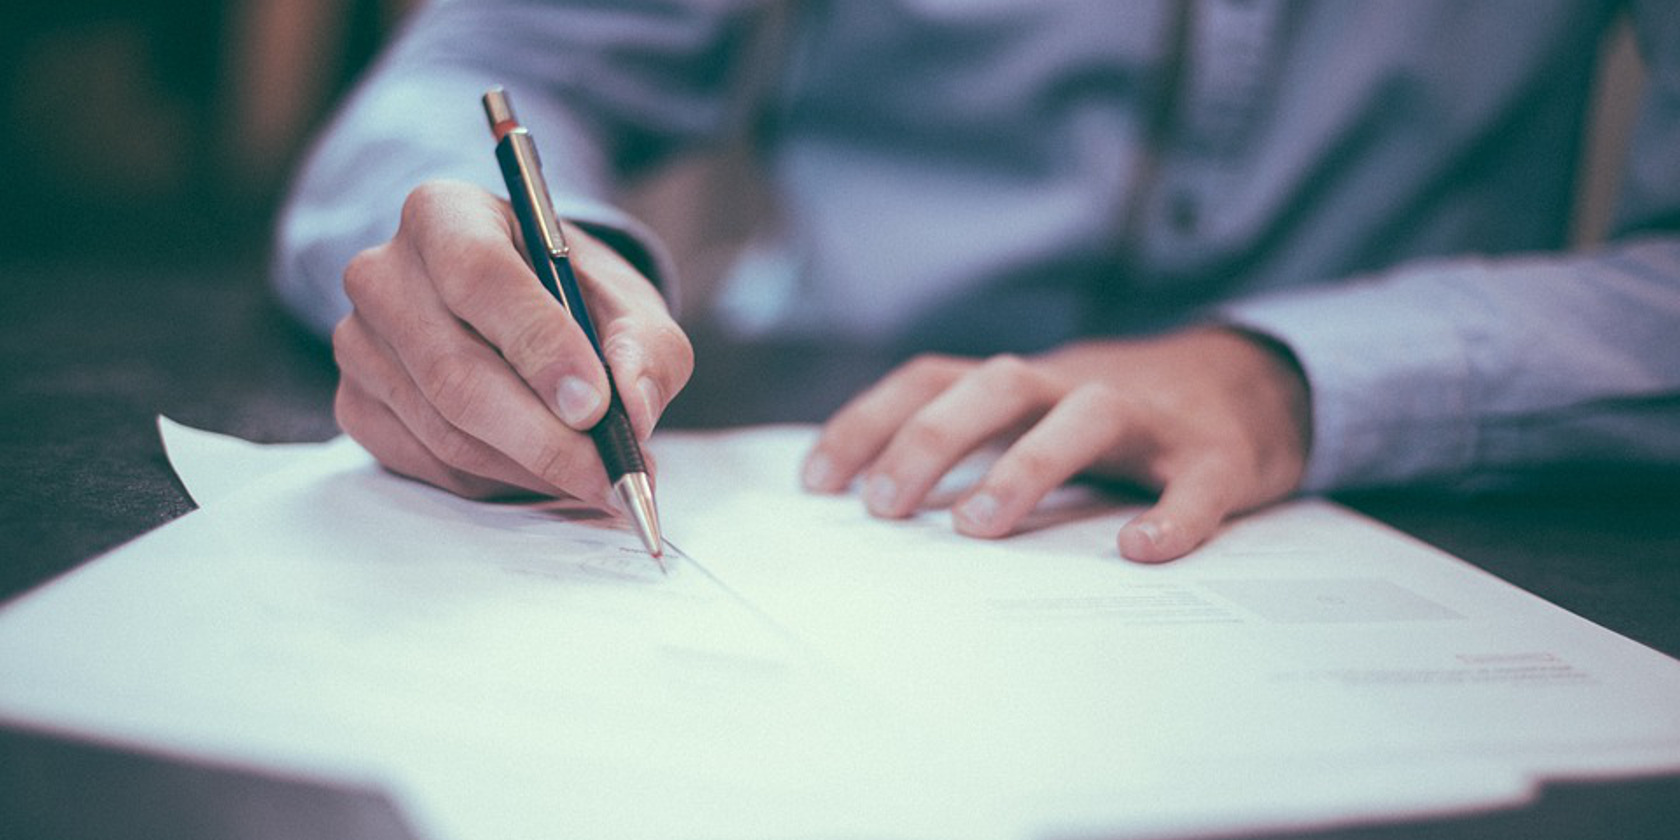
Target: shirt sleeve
[
  {"x": 1476, "y": 372},
  {"x": 1479, "y": 372},
  {"x": 606, "y": 89}
]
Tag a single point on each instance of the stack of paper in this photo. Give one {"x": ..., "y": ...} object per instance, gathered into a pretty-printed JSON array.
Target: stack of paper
[{"x": 807, "y": 671}]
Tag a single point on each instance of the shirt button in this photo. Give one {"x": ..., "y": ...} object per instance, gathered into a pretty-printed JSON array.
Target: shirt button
[{"x": 1183, "y": 213}]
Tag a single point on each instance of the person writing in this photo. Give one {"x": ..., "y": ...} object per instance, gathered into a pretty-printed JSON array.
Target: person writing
[{"x": 1226, "y": 250}]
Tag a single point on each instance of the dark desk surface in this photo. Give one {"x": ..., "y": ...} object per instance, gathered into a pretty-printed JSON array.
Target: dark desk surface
[{"x": 90, "y": 354}]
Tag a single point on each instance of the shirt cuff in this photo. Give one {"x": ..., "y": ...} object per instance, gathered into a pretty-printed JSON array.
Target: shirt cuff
[{"x": 1389, "y": 369}]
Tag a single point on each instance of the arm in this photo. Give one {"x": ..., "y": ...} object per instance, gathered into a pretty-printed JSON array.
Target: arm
[
  {"x": 1476, "y": 372},
  {"x": 1461, "y": 370},
  {"x": 609, "y": 90},
  {"x": 1480, "y": 372}
]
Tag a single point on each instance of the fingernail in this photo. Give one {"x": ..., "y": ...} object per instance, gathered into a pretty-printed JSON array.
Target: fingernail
[
  {"x": 650, "y": 401},
  {"x": 1150, "y": 532},
  {"x": 979, "y": 511},
  {"x": 880, "y": 495},
  {"x": 818, "y": 472},
  {"x": 576, "y": 401}
]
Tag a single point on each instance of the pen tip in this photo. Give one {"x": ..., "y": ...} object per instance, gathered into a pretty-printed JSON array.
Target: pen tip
[{"x": 637, "y": 496}]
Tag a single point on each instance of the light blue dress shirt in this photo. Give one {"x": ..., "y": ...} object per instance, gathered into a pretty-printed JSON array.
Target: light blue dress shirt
[{"x": 1385, "y": 187}]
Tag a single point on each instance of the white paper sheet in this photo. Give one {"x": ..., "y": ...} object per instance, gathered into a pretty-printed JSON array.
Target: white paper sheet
[
  {"x": 1304, "y": 637},
  {"x": 525, "y": 671},
  {"x": 213, "y": 466}
]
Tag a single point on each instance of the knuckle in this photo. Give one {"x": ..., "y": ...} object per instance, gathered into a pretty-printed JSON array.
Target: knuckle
[
  {"x": 1100, "y": 400},
  {"x": 363, "y": 275},
  {"x": 556, "y": 463},
  {"x": 343, "y": 345},
  {"x": 533, "y": 341},
  {"x": 386, "y": 391},
  {"x": 452, "y": 384},
  {"x": 347, "y": 410},
  {"x": 425, "y": 200},
  {"x": 355, "y": 353},
  {"x": 923, "y": 435},
  {"x": 1226, "y": 464},
  {"x": 1006, "y": 372},
  {"x": 455, "y": 448},
  {"x": 671, "y": 343},
  {"x": 661, "y": 349},
  {"x": 934, "y": 366},
  {"x": 843, "y": 437},
  {"x": 1028, "y": 465},
  {"x": 621, "y": 346},
  {"x": 473, "y": 272}
]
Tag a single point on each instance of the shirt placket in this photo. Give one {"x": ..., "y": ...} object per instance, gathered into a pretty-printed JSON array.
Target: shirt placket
[{"x": 1228, "y": 68}]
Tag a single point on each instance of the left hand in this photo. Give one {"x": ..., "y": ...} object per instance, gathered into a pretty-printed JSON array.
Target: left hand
[{"x": 1214, "y": 419}]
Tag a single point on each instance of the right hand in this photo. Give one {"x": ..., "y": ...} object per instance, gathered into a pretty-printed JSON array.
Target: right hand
[{"x": 457, "y": 368}]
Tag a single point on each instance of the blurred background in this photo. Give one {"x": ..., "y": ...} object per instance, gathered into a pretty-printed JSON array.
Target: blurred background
[
  {"x": 164, "y": 131},
  {"x": 167, "y": 128},
  {"x": 144, "y": 146},
  {"x": 164, "y": 127}
]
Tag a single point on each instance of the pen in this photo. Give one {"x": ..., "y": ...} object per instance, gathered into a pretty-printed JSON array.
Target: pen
[{"x": 551, "y": 260}]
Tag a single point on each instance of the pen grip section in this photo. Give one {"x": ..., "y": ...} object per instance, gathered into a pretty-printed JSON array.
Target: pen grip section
[{"x": 615, "y": 438}]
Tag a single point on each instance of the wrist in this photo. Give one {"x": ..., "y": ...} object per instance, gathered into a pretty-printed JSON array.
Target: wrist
[{"x": 1277, "y": 379}]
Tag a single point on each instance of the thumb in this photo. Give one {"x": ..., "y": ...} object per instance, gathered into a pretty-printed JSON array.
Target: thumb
[{"x": 1192, "y": 506}]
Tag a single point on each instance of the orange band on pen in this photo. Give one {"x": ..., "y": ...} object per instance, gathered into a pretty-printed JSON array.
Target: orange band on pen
[{"x": 504, "y": 128}]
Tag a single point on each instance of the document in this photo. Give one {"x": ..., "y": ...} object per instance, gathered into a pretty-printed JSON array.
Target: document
[
  {"x": 1306, "y": 638},
  {"x": 805, "y": 670}
]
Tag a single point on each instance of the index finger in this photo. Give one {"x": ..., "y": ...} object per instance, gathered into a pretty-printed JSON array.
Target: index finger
[
  {"x": 468, "y": 242},
  {"x": 861, "y": 429},
  {"x": 470, "y": 384}
]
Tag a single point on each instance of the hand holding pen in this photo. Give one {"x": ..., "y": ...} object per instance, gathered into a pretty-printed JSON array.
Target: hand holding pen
[
  {"x": 459, "y": 369},
  {"x": 551, "y": 259}
]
